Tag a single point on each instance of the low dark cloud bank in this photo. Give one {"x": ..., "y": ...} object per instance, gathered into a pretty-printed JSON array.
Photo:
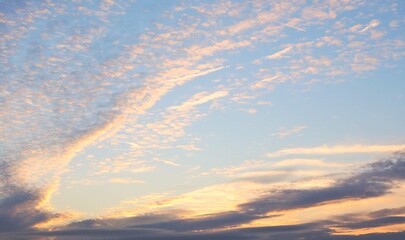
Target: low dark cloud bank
[
  {"x": 376, "y": 179},
  {"x": 18, "y": 204}
]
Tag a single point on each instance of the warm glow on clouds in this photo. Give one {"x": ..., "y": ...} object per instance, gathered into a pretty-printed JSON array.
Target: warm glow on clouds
[
  {"x": 202, "y": 120},
  {"x": 200, "y": 98}
]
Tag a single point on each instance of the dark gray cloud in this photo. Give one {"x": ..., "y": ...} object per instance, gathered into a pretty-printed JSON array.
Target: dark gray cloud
[
  {"x": 214, "y": 221},
  {"x": 311, "y": 231},
  {"x": 18, "y": 212},
  {"x": 380, "y": 218},
  {"x": 287, "y": 231},
  {"x": 169, "y": 222},
  {"x": 376, "y": 179},
  {"x": 379, "y": 222},
  {"x": 387, "y": 211},
  {"x": 375, "y": 236}
]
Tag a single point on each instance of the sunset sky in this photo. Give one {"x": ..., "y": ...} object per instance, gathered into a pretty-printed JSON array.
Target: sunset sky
[{"x": 218, "y": 120}]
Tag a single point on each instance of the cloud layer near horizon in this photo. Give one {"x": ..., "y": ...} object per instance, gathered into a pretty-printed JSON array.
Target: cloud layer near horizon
[{"x": 374, "y": 180}]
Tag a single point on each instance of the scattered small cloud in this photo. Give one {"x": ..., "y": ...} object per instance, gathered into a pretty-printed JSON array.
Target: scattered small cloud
[
  {"x": 285, "y": 132},
  {"x": 85, "y": 96}
]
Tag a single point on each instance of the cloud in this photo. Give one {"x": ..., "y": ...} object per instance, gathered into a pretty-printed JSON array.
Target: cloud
[
  {"x": 197, "y": 52},
  {"x": 124, "y": 163},
  {"x": 284, "y": 171},
  {"x": 387, "y": 212},
  {"x": 186, "y": 75},
  {"x": 337, "y": 149},
  {"x": 307, "y": 162},
  {"x": 69, "y": 85},
  {"x": 364, "y": 62},
  {"x": 374, "y": 23},
  {"x": 280, "y": 53},
  {"x": 375, "y": 179},
  {"x": 126, "y": 181},
  {"x": 287, "y": 132},
  {"x": 310, "y": 231},
  {"x": 355, "y": 28},
  {"x": 378, "y": 222},
  {"x": 292, "y": 24},
  {"x": 265, "y": 82},
  {"x": 64, "y": 121},
  {"x": 312, "y": 12},
  {"x": 20, "y": 210},
  {"x": 199, "y": 99},
  {"x": 168, "y": 162},
  {"x": 69, "y": 110},
  {"x": 384, "y": 220},
  {"x": 167, "y": 129}
]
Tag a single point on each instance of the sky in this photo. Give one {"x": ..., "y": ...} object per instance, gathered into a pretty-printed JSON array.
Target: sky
[{"x": 202, "y": 119}]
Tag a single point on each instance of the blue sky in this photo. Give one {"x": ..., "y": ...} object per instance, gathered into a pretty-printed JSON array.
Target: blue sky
[{"x": 202, "y": 119}]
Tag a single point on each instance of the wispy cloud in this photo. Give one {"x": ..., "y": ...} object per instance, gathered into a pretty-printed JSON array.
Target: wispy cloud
[
  {"x": 200, "y": 98},
  {"x": 267, "y": 82},
  {"x": 280, "y": 53},
  {"x": 307, "y": 162},
  {"x": 125, "y": 181},
  {"x": 318, "y": 12},
  {"x": 374, "y": 23},
  {"x": 292, "y": 26},
  {"x": 337, "y": 149},
  {"x": 284, "y": 132},
  {"x": 168, "y": 162},
  {"x": 186, "y": 75}
]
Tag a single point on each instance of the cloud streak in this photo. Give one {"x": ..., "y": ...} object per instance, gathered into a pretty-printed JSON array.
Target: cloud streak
[
  {"x": 374, "y": 23},
  {"x": 282, "y": 133},
  {"x": 280, "y": 53},
  {"x": 338, "y": 149}
]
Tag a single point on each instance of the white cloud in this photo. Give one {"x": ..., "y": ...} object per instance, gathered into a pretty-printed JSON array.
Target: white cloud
[
  {"x": 280, "y": 54},
  {"x": 264, "y": 83},
  {"x": 284, "y": 132},
  {"x": 307, "y": 162},
  {"x": 199, "y": 99},
  {"x": 374, "y": 23},
  {"x": 337, "y": 149}
]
